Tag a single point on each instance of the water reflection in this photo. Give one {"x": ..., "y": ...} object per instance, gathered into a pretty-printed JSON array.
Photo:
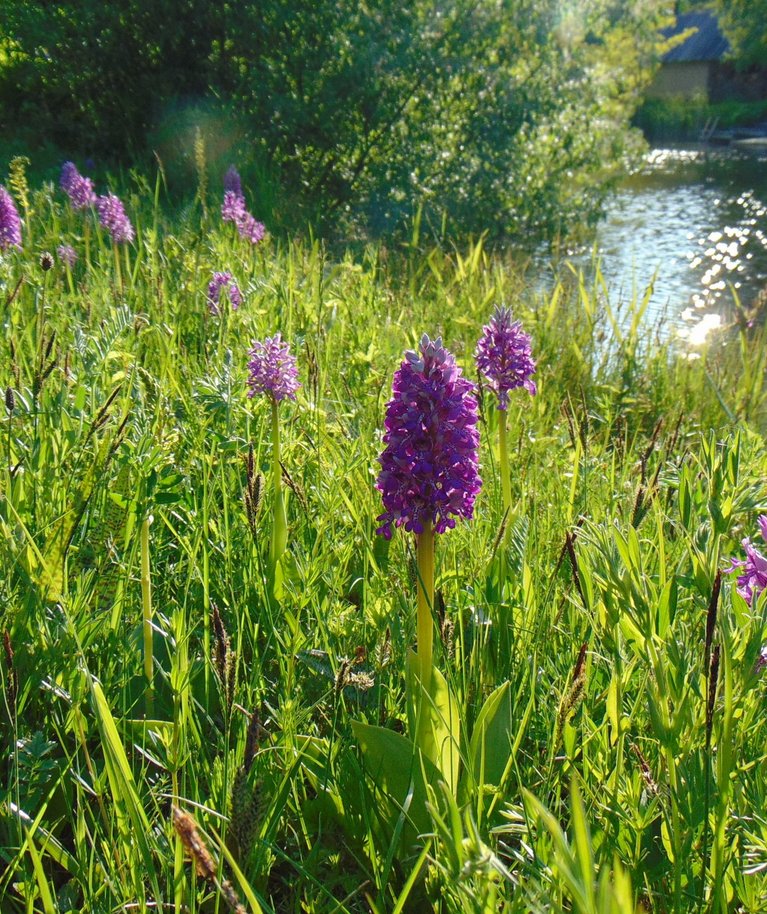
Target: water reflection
[{"x": 699, "y": 224}]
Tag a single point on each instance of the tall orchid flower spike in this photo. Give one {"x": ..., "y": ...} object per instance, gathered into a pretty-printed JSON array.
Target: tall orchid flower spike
[
  {"x": 430, "y": 465},
  {"x": 504, "y": 359},
  {"x": 274, "y": 373}
]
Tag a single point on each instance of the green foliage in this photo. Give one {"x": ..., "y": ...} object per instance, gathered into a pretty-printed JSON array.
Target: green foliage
[
  {"x": 744, "y": 23},
  {"x": 577, "y": 696},
  {"x": 509, "y": 118},
  {"x": 682, "y": 118}
]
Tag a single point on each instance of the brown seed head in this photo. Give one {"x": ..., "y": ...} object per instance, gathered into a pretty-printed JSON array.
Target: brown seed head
[{"x": 186, "y": 828}]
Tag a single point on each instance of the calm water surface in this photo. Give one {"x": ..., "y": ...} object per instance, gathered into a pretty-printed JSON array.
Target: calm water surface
[{"x": 696, "y": 221}]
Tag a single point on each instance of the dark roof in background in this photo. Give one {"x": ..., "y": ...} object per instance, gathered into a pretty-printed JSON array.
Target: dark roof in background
[{"x": 708, "y": 43}]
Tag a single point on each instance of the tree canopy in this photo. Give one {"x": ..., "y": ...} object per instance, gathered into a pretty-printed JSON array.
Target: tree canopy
[{"x": 510, "y": 116}]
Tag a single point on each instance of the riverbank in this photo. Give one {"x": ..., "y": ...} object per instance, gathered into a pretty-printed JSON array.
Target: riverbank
[{"x": 678, "y": 120}]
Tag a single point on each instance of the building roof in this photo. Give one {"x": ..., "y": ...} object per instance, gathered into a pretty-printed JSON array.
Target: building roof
[{"x": 707, "y": 43}]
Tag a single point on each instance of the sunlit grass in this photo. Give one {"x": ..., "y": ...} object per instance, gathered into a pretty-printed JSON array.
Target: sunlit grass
[{"x": 634, "y": 474}]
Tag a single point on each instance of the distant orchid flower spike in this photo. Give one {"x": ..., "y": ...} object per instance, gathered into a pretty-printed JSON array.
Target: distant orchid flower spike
[
  {"x": 430, "y": 465},
  {"x": 113, "y": 218},
  {"x": 504, "y": 358},
  {"x": 67, "y": 255},
  {"x": 77, "y": 187},
  {"x": 273, "y": 371},
  {"x": 223, "y": 286},
  {"x": 753, "y": 579},
  {"x": 233, "y": 182},
  {"x": 10, "y": 223},
  {"x": 234, "y": 209}
]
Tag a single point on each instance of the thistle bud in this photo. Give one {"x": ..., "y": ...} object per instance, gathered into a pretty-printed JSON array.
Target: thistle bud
[{"x": 46, "y": 261}]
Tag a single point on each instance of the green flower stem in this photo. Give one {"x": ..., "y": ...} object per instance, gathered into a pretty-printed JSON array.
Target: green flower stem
[
  {"x": 280, "y": 520},
  {"x": 146, "y": 603},
  {"x": 118, "y": 270},
  {"x": 504, "y": 466},
  {"x": 425, "y": 627}
]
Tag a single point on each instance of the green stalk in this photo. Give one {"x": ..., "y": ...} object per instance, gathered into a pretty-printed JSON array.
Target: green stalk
[
  {"x": 279, "y": 520},
  {"x": 668, "y": 753},
  {"x": 504, "y": 466},
  {"x": 425, "y": 626},
  {"x": 146, "y": 603},
  {"x": 118, "y": 271},
  {"x": 724, "y": 768},
  {"x": 503, "y": 455}
]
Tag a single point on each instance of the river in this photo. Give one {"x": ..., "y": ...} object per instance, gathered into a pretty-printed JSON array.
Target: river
[{"x": 698, "y": 222}]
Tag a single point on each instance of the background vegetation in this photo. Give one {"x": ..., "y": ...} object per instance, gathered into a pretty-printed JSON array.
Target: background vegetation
[
  {"x": 677, "y": 118},
  {"x": 624, "y": 768},
  {"x": 504, "y": 117}
]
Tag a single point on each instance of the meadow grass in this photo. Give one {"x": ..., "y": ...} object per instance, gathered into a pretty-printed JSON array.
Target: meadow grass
[{"x": 152, "y": 675}]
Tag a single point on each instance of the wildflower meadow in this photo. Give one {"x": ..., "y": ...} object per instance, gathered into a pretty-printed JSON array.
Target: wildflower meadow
[{"x": 386, "y": 579}]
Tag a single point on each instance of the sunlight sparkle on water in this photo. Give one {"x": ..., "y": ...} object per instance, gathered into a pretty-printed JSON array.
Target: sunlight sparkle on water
[{"x": 698, "y": 220}]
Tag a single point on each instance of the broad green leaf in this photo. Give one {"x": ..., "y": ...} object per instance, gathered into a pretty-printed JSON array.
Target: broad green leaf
[
  {"x": 439, "y": 737},
  {"x": 492, "y": 738},
  {"x": 123, "y": 787},
  {"x": 397, "y": 768}
]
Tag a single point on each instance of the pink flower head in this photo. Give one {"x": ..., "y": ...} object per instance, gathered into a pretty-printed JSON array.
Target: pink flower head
[
  {"x": 113, "y": 218},
  {"x": 78, "y": 188},
  {"x": 504, "y": 356},
  {"x": 430, "y": 465},
  {"x": 273, "y": 370},
  {"x": 67, "y": 255},
  {"x": 10, "y": 224},
  {"x": 222, "y": 284},
  {"x": 753, "y": 580},
  {"x": 251, "y": 229},
  {"x": 233, "y": 207}
]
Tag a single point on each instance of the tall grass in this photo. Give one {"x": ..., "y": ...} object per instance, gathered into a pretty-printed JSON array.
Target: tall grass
[{"x": 630, "y": 781}]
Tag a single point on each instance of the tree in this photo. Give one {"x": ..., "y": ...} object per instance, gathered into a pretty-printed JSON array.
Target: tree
[
  {"x": 744, "y": 23},
  {"x": 509, "y": 116}
]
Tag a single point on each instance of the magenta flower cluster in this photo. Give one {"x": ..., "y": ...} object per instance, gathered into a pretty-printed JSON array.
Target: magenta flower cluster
[
  {"x": 233, "y": 182},
  {"x": 504, "y": 356},
  {"x": 10, "y": 224},
  {"x": 113, "y": 218},
  {"x": 273, "y": 370},
  {"x": 753, "y": 579},
  {"x": 234, "y": 209},
  {"x": 109, "y": 207},
  {"x": 67, "y": 255},
  {"x": 78, "y": 188},
  {"x": 430, "y": 466},
  {"x": 222, "y": 285}
]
